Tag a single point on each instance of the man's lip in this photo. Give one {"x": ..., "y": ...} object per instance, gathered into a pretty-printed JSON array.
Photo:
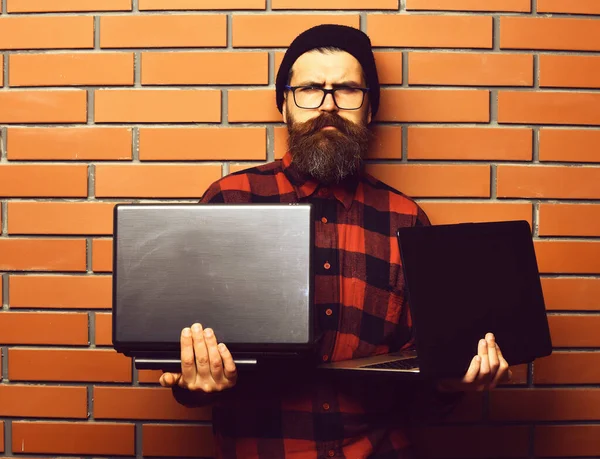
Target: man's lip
[{"x": 329, "y": 127}]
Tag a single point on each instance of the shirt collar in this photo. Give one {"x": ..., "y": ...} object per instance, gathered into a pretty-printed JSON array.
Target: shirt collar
[{"x": 306, "y": 186}]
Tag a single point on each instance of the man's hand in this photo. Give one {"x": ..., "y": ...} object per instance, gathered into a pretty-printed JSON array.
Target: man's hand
[
  {"x": 205, "y": 366},
  {"x": 487, "y": 369}
]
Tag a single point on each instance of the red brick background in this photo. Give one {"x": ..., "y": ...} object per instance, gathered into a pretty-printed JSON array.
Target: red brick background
[{"x": 490, "y": 110}]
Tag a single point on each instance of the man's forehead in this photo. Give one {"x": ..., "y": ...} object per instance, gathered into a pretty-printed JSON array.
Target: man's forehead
[{"x": 319, "y": 65}]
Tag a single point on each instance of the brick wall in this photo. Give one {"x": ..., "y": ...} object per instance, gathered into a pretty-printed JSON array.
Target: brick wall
[{"x": 490, "y": 110}]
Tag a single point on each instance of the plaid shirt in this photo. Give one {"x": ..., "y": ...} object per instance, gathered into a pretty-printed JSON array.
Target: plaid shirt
[{"x": 360, "y": 311}]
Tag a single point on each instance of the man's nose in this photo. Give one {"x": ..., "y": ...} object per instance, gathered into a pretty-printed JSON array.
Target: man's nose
[{"x": 328, "y": 104}]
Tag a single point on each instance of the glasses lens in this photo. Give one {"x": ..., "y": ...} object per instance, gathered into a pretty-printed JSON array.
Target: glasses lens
[{"x": 349, "y": 98}]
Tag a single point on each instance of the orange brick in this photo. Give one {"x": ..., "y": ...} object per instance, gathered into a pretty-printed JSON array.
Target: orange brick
[
  {"x": 549, "y": 33},
  {"x": 202, "y": 5},
  {"x": 570, "y": 145},
  {"x": 42, "y": 6},
  {"x": 205, "y": 68},
  {"x": 470, "y": 69},
  {"x": 167, "y": 440},
  {"x": 387, "y": 143},
  {"x": 44, "y": 328},
  {"x": 256, "y": 105},
  {"x": 103, "y": 330},
  {"x": 470, "y": 409},
  {"x": 389, "y": 67},
  {"x": 65, "y": 292},
  {"x": 102, "y": 258},
  {"x": 25, "y": 106},
  {"x": 75, "y": 365},
  {"x": 568, "y": 293},
  {"x": 428, "y": 31},
  {"x": 569, "y": 71},
  {"x": 432, "y": 105},
  {"x": 434, "y": 180},
  {"x": 46, "y": 32},
  {"x": 544, "y": 404},
  {"x": 334, "y": 5},
  {"x": 550, "y": 182},
  {"x": 572, "y": 6},
  {"x": 567, "y": 441},
  {"x": 146, "y": 403},
  {"x": 60, "y": 218},
  {"x": 149, "y": 376},
  {"x": 576, "y": 257},
  {"x": 548, "y": 107},
  {"x": 458, "y": 441},
  {"x": 268, "y": 30},
  {"x": 521, "y": 6},
  {"x": 157, "y": 105},
  {"x": 201, "y": 144},
  {"x": 163, "y": 31},
  {"x": 569, "y": 220},
  {"x": 43, "y": 401},
  {"x": 74, "y": 438},
  {"x": 444, "y": 212},
  {"x": 42, "y": 254},
  {"x": 17, "y": 180},
  {"x": 71, "y": 69},
  {"x": 574, "y": 331},
  {"x": 568, "y": 368},
  {"x": 470, "y": 143},
  {"x": 155, "y": 181},
  {"x": 77, "y": 143}
]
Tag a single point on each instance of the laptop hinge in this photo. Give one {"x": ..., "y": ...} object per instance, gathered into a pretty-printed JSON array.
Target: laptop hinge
[{"x": 175, "y": 364}]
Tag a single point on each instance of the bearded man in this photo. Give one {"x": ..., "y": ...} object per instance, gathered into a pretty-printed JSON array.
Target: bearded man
[{"x": 327, "y": 89}]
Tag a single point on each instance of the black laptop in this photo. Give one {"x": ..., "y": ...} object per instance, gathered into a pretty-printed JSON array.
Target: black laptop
[
  {"x": 244, "y": 270},
  {"x": 463, "y": 280}
]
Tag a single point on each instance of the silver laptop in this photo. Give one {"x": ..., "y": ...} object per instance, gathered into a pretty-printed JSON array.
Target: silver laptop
[{"x": 243, "y": 270}]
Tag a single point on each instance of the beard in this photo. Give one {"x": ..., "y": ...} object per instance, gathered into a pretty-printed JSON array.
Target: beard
[{"x": 328, "y": 156}]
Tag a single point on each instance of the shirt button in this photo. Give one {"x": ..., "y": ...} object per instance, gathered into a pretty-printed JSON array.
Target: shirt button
[
  {"x": 331, "y": 453},
  {"x": 325, "y": 357},
  {"x": 325, "y": 406},
  {"x": 327, "y": 265},
  {"x": 324, "y": 220},
  {"x": 328, "y": 312}
]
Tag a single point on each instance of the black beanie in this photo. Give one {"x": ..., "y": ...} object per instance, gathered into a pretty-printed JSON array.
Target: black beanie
[{"x": 349, "y": 39}]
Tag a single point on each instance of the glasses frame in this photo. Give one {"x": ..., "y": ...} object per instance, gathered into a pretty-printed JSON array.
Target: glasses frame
[{"x": 325, "y": 93}]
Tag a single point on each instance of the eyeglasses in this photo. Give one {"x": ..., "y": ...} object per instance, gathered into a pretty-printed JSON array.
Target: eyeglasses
[{"x": 344, "y": 97}]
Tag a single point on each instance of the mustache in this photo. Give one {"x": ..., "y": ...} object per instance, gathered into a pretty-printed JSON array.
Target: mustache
[{"x": 324, "y": 120}]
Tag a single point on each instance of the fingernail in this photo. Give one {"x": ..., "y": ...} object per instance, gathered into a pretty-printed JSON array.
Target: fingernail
[
  {"x": 197, "y": 328},
  {"x": 221, "y": 347},
  {"x": 208, "y": 332},
  {"x": 187, "y": 332},
  {"x": 483, "y": 342}
]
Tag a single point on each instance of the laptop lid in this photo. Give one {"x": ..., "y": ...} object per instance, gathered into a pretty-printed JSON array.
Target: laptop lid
[
  {"x": 466, "y": 279},
  {"x": 243, "y": 270}
]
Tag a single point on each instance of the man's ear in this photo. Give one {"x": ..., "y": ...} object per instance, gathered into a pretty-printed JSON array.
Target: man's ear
[
  {"x": 284, "y": 109},
  {"x": 369, "y": 115}
]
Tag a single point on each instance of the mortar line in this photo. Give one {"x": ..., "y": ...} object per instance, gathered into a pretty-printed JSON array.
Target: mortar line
[
  {"x": 135, "y": 136},
  {"x": 88, "y": 255},
  {"x": 5, "y": 70},
  {"x": 90, "y": 106},
  {"x": 5, "y": 295},
  {"x": 137, "y": 69},
  {"x": 7, "y": 434},
  {"x": 270, "y": 143},
  {"x": 97, "y": 33}
]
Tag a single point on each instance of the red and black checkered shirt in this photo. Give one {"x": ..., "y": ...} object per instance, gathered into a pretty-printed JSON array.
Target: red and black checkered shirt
[{"x": 360, "y": 311}]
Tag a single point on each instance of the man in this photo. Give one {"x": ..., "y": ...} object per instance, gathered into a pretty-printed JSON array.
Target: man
[{"x": 328, "y": 92}]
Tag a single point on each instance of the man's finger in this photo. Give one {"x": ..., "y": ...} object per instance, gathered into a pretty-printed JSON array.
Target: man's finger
[
  {"x": 214, "y": 357},
  {"x": 484, "y": 369},
  {"x": 229, "y": 367},
  {"x": 504, "y": 373},
  {"x": 492, "y": 355},
  {"x": 202, "y": 362},
  {"x": 472, "y": 371},
  {"x": 188, "y": 364}
]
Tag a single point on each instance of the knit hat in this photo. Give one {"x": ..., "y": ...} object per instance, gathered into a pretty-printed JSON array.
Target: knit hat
[{"x": 349, "y": 39}]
